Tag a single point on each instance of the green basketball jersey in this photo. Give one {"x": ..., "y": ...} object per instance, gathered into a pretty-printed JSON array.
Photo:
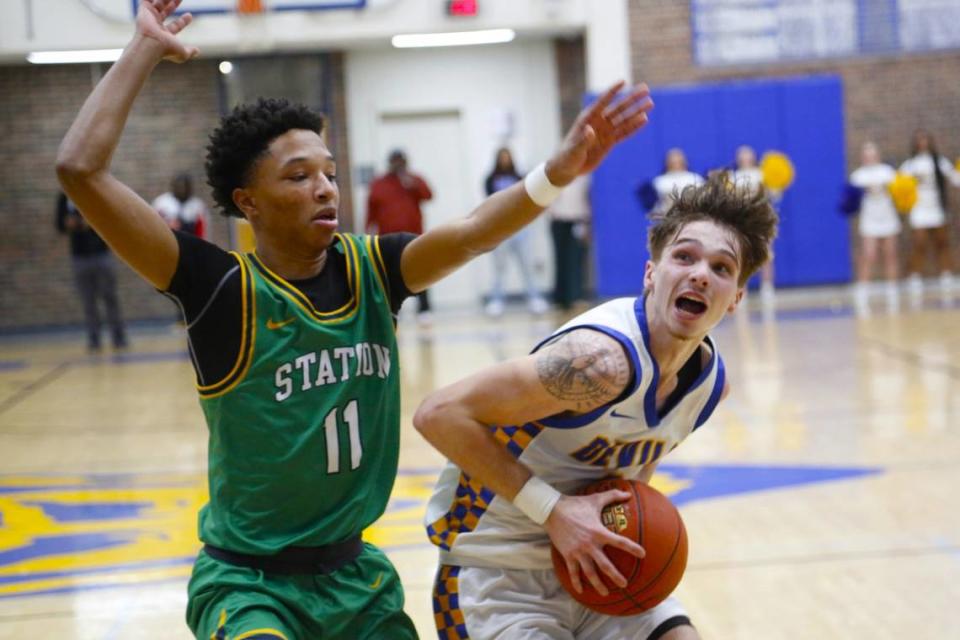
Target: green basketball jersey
[{"x": 305, "y": 431}]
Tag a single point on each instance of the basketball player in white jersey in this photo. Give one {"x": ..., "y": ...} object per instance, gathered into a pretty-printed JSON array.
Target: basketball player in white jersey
[{"x": 608, "y": 394}]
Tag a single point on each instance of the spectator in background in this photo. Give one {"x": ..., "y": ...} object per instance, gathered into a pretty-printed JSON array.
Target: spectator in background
[
  {"x": 674, "y": 178},
  {"x": 504, "y": 174},
  {"x": 879, "y": 226},
  {"x": 928, "y": 218},
  {"x": 748, "y": 173},
  {"x": 569, "y": 226},
  {"x": 394, "y": 206},
  {"x": 182, "y": 210},
  {"x": 93, "y": 274}
]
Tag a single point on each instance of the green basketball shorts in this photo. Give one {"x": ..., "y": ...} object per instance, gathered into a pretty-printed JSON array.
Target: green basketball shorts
[{"x": 363, "y": 599}]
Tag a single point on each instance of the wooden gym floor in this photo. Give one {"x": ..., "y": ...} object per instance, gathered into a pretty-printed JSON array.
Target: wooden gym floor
[{"x": 820, "y": 501}]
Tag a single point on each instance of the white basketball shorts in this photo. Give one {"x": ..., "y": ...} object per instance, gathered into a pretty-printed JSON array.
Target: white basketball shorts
[{"x": 497, "y": 604}]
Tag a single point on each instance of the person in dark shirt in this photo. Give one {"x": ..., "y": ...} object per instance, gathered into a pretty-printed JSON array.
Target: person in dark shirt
[
  {"x": 93, "y": 274},
  {"x": 294, "y": 344},
  {"x": 394, "y": 206}
]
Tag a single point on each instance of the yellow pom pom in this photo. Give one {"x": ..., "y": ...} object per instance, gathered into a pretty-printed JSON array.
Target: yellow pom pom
[
  {"x": 957, "y": 164},
  {"x": 903, "y": 190},
  {"x": 777, "y": 171}
]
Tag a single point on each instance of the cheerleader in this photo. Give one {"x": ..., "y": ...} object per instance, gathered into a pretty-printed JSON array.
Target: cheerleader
[
  {"x": 674, "y": 179},
  {"x": 928, "y": 219},
  {"x": 879, "y": 225}
]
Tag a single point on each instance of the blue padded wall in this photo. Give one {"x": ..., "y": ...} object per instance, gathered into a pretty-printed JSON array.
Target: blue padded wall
[{"x": 801, "y": 117}]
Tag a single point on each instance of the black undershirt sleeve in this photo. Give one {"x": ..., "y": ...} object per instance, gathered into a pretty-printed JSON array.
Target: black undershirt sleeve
[
  {"x": 391, "y": 248},
  {"x": 207, "y": 287}
]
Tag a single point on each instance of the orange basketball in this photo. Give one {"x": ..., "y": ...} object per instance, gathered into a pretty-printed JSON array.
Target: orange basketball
[{"x": 651, "y": 520}]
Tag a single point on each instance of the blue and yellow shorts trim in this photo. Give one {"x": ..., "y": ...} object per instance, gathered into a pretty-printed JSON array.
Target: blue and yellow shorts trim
[
  {"x": 472, "y": 499},
  {"x": 447, "y": 615},
  {"x": 471, "y": 502}
]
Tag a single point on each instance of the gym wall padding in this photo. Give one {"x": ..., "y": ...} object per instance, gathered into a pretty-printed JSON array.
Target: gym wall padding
[{"x": 802, "y": 117}]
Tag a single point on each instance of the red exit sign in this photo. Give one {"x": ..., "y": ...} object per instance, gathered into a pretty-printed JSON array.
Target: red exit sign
[{"x": 462, "y": 7}]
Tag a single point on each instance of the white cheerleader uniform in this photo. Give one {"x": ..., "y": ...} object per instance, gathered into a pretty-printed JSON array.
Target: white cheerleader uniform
[
  {"x": 878, "y": 217},
  {"x": 927, "y": 213},
  {"x": 669, "y": 185},
  {"x": 750, "y": 178}
]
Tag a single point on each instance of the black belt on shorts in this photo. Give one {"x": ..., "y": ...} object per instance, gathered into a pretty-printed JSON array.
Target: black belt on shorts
[{"x": 294, "y": 560}]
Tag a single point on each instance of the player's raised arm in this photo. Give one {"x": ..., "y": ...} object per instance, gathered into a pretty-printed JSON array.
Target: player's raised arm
[
  {"x": 581, "y": 371},
  {"x": 598, "y": 128},
  {"x": 128, "y": 224}
]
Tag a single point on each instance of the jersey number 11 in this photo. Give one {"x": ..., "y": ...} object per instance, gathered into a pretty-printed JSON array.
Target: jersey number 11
[{"x": 351, "y": 417}]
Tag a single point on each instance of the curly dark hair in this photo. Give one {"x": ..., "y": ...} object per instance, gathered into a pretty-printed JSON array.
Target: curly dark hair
[
  {"x": 243, "y": 136},
  {"x": 744, "y": 210}
]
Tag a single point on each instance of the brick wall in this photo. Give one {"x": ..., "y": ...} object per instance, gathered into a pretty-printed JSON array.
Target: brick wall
[
  {"x": 885, "y": 98},
  {"x": 167, "y": 133}
]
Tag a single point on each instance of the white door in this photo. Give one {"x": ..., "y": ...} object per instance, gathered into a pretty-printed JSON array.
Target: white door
[{"x": 434, "y": 147}]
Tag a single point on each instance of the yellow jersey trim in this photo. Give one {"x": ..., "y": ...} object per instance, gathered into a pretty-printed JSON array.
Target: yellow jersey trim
[
  {"x": 273, "y": 632},
  {"x": 248, "y": 332},
  {"x": 299, "y": 299},
  {"x": 380, "y": 270}
]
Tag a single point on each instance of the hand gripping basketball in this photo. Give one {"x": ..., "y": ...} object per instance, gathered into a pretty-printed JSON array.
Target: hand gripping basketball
[{"x": 651, "y": 520}]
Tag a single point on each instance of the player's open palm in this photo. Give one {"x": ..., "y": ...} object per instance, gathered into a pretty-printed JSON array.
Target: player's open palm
[
  {"x": 597, "y": 129},
  {"x": 153, "y": 23},
  {"x": 576, "y": 530}
]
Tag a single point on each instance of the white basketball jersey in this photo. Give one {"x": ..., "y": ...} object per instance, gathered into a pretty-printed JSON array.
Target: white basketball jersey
[{"x": 474, "y": 527}]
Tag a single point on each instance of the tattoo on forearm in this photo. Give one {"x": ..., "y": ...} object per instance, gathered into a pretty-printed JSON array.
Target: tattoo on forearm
[{"x": 584, "y": 367}]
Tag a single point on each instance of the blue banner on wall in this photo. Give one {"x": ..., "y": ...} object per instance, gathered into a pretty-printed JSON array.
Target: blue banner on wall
[{"x": 802, "y": 118}]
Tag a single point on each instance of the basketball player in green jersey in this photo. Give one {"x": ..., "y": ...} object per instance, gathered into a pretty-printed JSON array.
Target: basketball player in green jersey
[{"x": 294, "y": 345}]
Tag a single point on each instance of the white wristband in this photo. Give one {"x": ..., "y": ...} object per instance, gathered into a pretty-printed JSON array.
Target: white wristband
[
  {"x": 539, "y": 188},
  {"x": 536, "y": 499}
]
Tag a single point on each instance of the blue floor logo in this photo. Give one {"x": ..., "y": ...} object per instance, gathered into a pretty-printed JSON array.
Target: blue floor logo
[{"x": 61, "y": 533}]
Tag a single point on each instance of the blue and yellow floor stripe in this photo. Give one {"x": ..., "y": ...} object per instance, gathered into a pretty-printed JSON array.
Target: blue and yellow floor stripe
[{"x": 61, "y": 533}]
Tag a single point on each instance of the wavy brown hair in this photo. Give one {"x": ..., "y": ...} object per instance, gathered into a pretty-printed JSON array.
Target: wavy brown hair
[{"x": 745, "y": 211}]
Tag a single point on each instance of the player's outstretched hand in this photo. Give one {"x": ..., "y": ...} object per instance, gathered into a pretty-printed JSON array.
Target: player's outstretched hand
[
  {"x": 597, "y": 129},
  {"x": 153, "y": 23},
  {"x": 576, "y": 530}
]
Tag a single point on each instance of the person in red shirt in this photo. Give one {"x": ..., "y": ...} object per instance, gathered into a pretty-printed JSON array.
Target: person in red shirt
[{"x": 394, "y": 205}]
